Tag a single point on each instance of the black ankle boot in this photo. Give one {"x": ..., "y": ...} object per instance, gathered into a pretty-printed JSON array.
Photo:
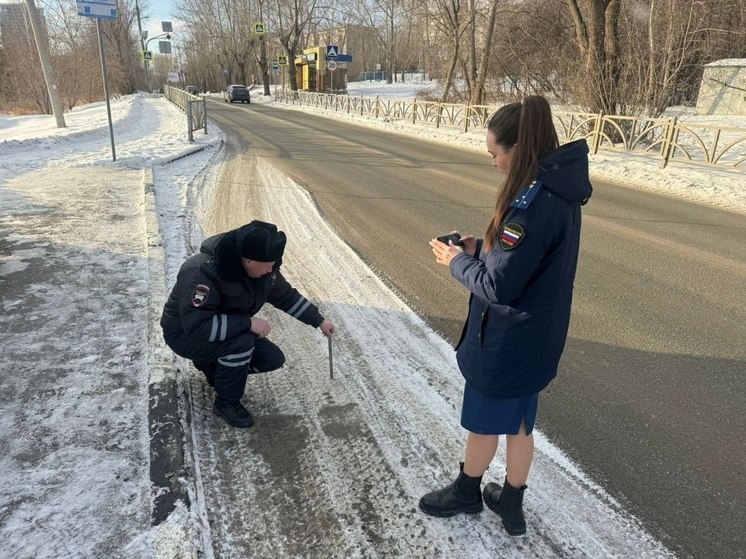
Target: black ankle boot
[
  {"x": 507, "y": 501},
  {"x": 462, "y": 495},
  {"x": 234, "y": 413}
]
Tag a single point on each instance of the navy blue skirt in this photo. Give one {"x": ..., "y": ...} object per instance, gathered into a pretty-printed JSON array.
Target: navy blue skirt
[{"x": 497, "y": 416}]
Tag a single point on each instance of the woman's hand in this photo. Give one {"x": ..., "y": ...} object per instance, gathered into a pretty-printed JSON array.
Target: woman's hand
[
  {"x": 260, "y": 327},
  {"x": 444, "y": 253},
  {"x": 328, "y": 328},
  {"x": 470, "y": 245}
]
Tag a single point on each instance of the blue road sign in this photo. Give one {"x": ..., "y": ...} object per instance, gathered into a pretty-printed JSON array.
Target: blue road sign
[
  {"x": 101, "y": 9},
  {"x": 332, "y": 52}
]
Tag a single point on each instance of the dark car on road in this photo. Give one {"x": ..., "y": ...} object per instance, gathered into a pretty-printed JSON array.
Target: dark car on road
[
  {"x": 236, "y": 92},
  {"x": 192, "y": 90}
]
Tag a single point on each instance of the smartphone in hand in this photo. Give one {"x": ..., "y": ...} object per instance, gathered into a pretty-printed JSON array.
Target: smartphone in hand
[{"x": 453, "y": 237}]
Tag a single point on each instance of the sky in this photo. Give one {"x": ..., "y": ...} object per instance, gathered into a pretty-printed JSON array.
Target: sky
[
  {"x": 83, "y": 280},
  {"x": 156, "y": 12}
]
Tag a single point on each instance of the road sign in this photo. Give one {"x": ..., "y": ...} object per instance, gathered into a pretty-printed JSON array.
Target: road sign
[
  {"x": 164, "y": 47},
  {"x": 332, "y": 51},
  {"x": 101, "y": 9},
  {"x": 275, "y": 66},
  {"x": 259, "y": 28},
  {"x": 282, "y": 60},
  {"x": 147, "y": 55},
  {"x": 331, "y": 65}
]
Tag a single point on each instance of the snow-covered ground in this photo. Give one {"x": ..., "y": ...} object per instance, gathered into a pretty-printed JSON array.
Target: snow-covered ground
[{"x": 76, "y": 270}]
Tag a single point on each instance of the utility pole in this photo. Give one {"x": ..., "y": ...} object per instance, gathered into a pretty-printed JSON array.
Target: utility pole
[
  {"x": 43, "y": 47},
  {"x": 142, "y": 45}
]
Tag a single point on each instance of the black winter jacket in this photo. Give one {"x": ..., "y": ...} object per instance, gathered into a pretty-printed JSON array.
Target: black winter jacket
[{"x": 213, "y": 299}]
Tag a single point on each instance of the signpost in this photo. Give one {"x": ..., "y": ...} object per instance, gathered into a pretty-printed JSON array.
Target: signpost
[
  {"x": 332, "y": 52},
  {"x": 101, "y": 9}
]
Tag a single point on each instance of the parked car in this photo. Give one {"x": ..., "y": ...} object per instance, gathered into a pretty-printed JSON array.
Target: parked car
[
  {"x": 192, "y": 90},
  {"x": 236, "y": 92}
]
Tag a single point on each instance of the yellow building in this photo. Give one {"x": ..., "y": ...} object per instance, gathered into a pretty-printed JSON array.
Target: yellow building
[{"x": 312, "y": 74}]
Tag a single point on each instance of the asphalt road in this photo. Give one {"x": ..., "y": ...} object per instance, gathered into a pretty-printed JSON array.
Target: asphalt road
[{"x": 650, "y": 395}]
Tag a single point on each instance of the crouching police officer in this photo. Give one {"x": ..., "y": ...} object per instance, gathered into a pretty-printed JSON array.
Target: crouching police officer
[{"x": 209, "y": 316}]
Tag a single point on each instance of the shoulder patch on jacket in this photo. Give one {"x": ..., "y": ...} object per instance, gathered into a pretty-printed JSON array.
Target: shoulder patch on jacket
[
  {"x": 526, "y": 195},
  {"x": 200, "y": 295},
  {"x": 511, "y": 235}
]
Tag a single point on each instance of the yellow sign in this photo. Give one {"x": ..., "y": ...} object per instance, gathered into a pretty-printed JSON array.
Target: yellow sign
[
  {"x": 147, "y": 55},
  {"x": 259, "y": 28},
  {"x": 282, "y": 60}
]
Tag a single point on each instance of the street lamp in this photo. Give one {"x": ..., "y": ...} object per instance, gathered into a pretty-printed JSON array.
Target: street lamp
[{"x": 142, "y": 46}]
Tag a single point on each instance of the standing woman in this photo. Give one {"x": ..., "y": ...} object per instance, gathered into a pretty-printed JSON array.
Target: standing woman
[{"x": 520, "y": 278}]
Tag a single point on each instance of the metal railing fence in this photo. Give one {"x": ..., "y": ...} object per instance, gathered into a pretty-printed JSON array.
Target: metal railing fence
[
  {"x": 194, "y": 106},
  {"x": 666, "y": 138}
]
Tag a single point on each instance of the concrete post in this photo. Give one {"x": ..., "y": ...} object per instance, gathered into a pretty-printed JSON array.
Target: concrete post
[{"x": 46, "y": 65}]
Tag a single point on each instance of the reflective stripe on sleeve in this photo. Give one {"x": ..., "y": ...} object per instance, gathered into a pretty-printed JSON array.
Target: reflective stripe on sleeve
[
  {"x": 214, "y": 330},
  {"x": 297, "y": 304},
  {"x": 302, "y": 309},
  {"x": 224, "y": 327}
]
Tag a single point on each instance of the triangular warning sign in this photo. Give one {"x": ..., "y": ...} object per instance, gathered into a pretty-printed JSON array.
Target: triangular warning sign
[{"x": 331, "y": 51}]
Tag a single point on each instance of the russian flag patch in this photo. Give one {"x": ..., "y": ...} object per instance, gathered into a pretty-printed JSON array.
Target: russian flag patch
[{"x": 511, "y": 234}]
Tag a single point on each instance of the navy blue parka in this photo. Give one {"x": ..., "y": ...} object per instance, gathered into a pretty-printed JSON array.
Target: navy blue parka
[{"x": 521, "y": 290}]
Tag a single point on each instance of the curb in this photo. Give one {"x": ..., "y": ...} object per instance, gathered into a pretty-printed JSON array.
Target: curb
[{"x": 167, "y": 470}]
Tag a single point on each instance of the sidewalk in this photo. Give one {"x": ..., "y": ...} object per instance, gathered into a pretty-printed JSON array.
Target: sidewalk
[{"x": 81, "y": 394}]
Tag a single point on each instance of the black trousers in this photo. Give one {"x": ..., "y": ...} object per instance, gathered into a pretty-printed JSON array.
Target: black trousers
[{"x": 227, "y": 364}]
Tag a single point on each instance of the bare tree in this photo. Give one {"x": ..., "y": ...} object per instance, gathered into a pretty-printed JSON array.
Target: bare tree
[
  {"x": 597, "y": 38},
  {"x": 682, "y": 35},
  {"x": 382, "y": 16},
  {"x": 228, "y": 28},
  {"x": 478, "y": 91},
  {"x": 448, "y": 18},
  {"x": 291, "y": 20}
]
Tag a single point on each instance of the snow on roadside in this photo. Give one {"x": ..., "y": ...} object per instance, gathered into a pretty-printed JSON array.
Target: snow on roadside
[{"x": 74, "y": 414}]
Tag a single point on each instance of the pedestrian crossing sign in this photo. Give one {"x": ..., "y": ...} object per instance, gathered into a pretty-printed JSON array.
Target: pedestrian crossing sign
[
  {"x": 259, "y": 28},
  {"x": 147, "y": 55},
  {"x": 282, "y": 60}
]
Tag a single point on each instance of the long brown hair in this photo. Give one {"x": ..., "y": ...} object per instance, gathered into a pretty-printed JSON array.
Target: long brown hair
[{"x": 528, "y": 126}]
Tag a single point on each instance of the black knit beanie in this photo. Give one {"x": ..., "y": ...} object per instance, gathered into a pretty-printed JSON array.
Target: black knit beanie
[{"x": 261, "y": 241}]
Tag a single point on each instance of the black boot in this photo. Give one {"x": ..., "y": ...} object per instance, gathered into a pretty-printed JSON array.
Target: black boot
[
  {"x": 462, "y": 495},
  {"x": 507, "y": 501},
  {"x": 234, "y": 413}
]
